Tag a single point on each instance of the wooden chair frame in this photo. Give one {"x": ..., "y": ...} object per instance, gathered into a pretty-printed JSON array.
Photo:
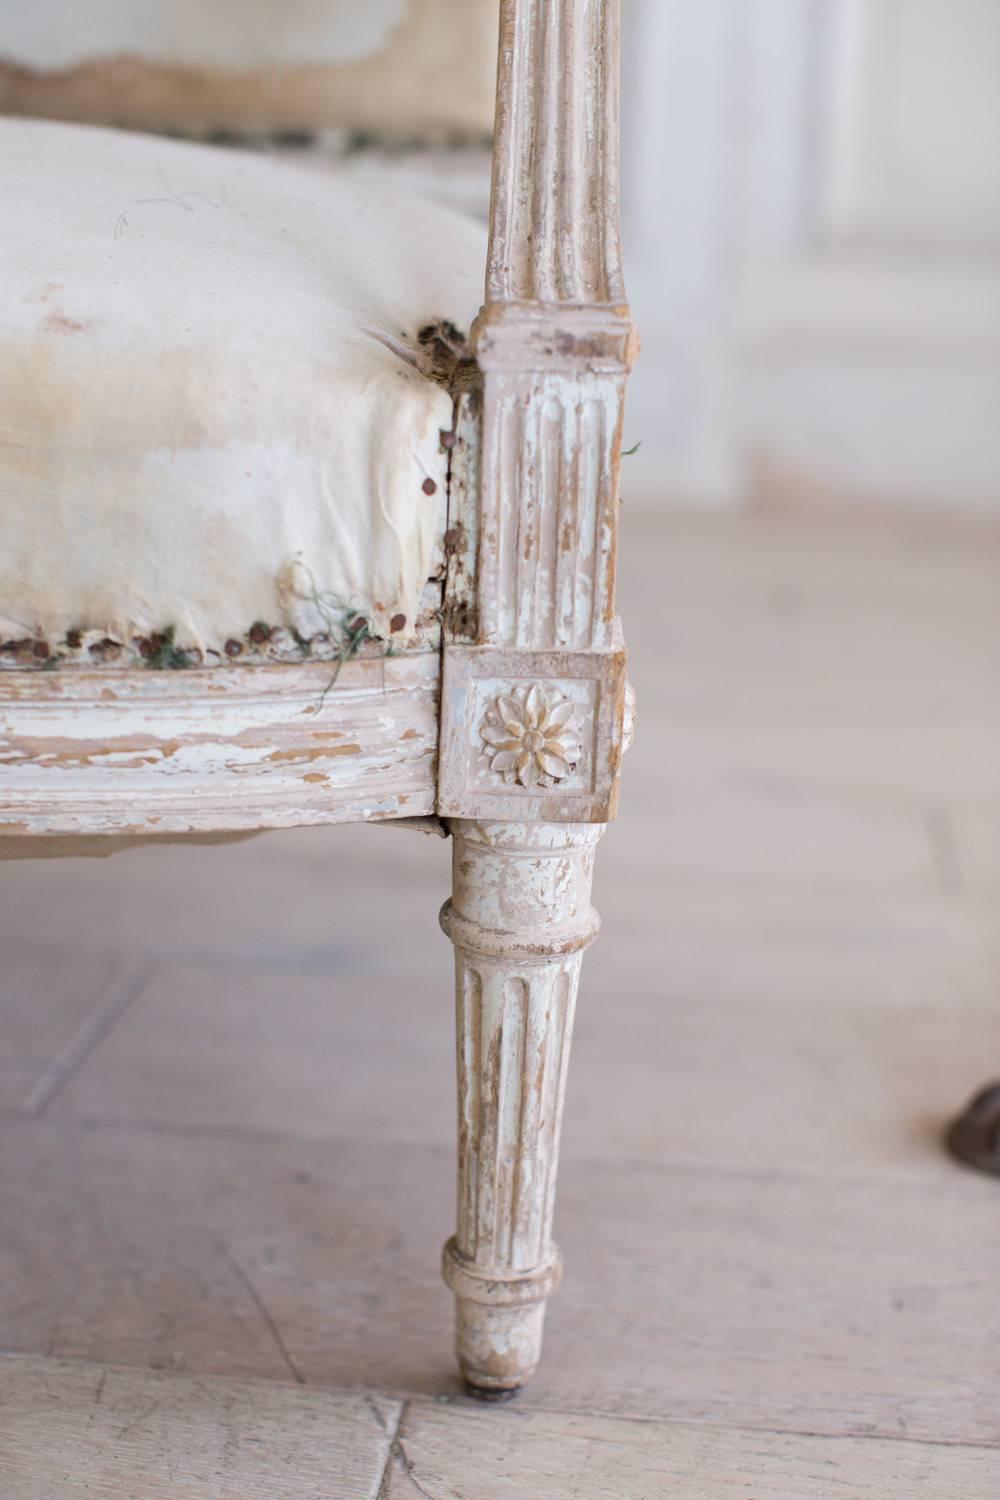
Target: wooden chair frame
[{"x": 512, "y": 736}]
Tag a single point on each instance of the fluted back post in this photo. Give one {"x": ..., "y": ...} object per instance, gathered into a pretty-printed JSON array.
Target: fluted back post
[
  {"x": 554, "y": 219},
  {"x": 530, "y": 597},
  {"x": 554, "y": 339}
]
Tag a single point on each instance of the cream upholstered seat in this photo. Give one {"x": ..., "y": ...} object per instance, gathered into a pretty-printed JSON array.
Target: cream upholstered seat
[{"x": 208, "y": 415}]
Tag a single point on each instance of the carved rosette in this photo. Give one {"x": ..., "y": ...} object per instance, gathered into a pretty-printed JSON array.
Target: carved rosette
[{"x": 532, "y": 736}]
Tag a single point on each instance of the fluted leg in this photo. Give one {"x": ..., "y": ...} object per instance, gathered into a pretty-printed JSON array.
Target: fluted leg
[{"x": 520, "y": 918}]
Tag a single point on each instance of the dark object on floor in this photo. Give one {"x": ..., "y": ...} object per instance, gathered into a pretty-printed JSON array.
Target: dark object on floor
[
  {"x": 975, "y": 1136},
  {"x": 493, "y": 1394}
]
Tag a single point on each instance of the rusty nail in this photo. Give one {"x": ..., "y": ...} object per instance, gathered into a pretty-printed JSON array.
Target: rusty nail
[
  {"x": 74, "y": 639},
  {"x": 259, "y": 632},
  {"x": 40, "y": 650},
  {"x": 397, "y": 623},
  {"x": 430, "y": 488},
  {"x": 448, "y": 439},
  {"x": 233, "y": 647}
]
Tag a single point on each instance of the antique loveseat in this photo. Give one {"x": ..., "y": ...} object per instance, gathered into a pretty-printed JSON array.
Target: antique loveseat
[{"x": 295, "y": 532}]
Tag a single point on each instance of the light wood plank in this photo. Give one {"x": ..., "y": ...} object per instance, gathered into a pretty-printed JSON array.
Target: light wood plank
[
  {"x": 856, "y": 654},
  {"x": 248, "y": 1050},
  {"x": 662, "y": 1061},
  {"x": 808, "y": 1303},
  {"x": 313, "y": 900},
  {"x": 79, "y": 1430},
  {"x": 456, "y": 1452},
  {"x": 110, "y": 1247},
  {"x": 238, "y": 1254}
]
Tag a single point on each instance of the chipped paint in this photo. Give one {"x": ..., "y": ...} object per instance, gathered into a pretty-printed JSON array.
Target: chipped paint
[
  {"x": 98, "y": 751},
  {"x": 520, "y": 918},
  {"x": 534, "y": 521}
]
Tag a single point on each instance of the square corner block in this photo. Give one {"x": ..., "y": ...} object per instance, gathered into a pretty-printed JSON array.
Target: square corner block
[{"x": 531, "y": 736}]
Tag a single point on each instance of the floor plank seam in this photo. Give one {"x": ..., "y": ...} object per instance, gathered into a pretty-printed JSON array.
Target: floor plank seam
[
  {"x": 120, "y": 998},
  {"x": 945, "y": 853},
  {"x": 903, "y": 1179},
  {"x": 265, "y": 1315},
  {"x": 409, "y": 1403},
  {"x": 692, "y": 1424},
  {"x": 385, "y": 1479}
]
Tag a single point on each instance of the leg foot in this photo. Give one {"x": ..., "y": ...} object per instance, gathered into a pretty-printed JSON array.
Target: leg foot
[
  {"x": 494, "y": 1396},
  {"x": 520, "y": 918}
]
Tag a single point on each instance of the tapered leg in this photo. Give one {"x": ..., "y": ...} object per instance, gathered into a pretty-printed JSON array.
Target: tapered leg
[{"x": 520, "y": 918}]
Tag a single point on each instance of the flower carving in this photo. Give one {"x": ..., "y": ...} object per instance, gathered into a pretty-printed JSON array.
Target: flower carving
[{"x": 531, "y": 736}]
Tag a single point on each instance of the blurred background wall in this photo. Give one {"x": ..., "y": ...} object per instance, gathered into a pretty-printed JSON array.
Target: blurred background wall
[
  {"x": 812, "y": 193},
  {"x": 400, "y": 67}
]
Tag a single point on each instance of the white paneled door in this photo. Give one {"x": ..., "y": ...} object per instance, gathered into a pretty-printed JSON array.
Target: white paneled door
[{"x": 813, "y": 197}]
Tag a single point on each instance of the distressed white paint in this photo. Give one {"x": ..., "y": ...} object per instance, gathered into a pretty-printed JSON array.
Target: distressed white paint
[
  {"x": 554, "y": 343},
  {"x": 132, "y": 751},
  {"x": 469, "y": 785},
  {"x": 232, "y": 34},
  {"x": 520, "y": 918}
]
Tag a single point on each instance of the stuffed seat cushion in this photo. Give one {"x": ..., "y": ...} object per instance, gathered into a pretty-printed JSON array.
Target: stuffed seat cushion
[{"x": 212, "y": 411}]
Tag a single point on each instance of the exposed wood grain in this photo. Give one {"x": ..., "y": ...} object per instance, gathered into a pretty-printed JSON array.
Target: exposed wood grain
[
  {"x": 69, "y": 1431},
  {"x": 226, "y": 748}
]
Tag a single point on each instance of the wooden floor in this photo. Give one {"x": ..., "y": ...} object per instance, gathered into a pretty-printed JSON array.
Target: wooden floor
[{"x": 227, "y": 1116}]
